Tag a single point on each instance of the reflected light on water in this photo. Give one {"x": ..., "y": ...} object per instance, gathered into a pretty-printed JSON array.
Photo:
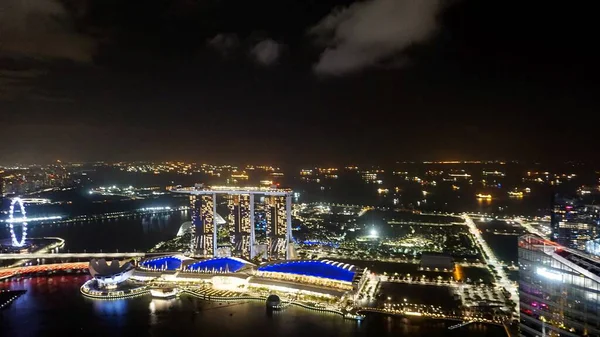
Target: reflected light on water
[
  {"x": 57, "y": 307},
  {"x": 111, "y": 308}
]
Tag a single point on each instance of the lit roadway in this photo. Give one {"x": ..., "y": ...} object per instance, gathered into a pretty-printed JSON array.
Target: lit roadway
[
  {"x": 491, "y": 259},
  {"x": 77, "y": 255},
  {"x": 428, "y": 283},
  {"x": 529, "y": 228},
  {"x": 326, "y": 255}
]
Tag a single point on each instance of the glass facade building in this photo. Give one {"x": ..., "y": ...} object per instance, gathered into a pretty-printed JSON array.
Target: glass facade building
[
  {"x": 593, "y": 247},
  {"x": 559, "y": 289}
]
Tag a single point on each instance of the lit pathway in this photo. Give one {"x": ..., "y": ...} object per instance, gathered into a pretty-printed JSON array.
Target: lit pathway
[
  {"x": 10, "y": 272},
  {"x": 491, "y": 259},
  {"x": 427, "y": 283},
  {"x": 29, "y": 256},
  {"x": 326, "y": 255},
  {"x": 529, "y": 228}
]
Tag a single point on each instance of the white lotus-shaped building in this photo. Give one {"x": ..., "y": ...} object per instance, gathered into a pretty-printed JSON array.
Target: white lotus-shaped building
[{"x": 110, "y": 274}]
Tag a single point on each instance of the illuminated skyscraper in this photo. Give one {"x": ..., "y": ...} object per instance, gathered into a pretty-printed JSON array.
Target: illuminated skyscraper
[
  {"x": 277, "y": 228},
  {"x": 195, "y": 206},
  {"x": 240, "y": 220},
  {"x": 559, "y": 290},
  {"x": 206, "y": 232},
  {"x": 241, "y": 216},
  {"x": 570, "y": 228}
]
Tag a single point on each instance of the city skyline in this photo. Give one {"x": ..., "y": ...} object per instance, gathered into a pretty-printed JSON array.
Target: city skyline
[
  {"x": 280, "y": 164},
  {"x": 425, "y": 167},
  {"x": 357, "y": 242}
]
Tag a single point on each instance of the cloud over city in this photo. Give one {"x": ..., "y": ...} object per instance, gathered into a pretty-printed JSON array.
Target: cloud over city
[
  {"x": 365, "y": 33},
  {"x": 266, "y": 52},
  {"x": 224, "y": 43},
  {"x": 41, "y": 29}
]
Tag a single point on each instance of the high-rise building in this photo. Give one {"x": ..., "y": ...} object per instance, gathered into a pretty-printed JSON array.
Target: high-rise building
[
  {"x": 206, "y": 233},
  {"x": 559, "y": 290},
  {"x": 570, "y": 226},
  {"x": 277, "y": 226},
  {"x": 195, "y": 207},
  {"x": 241, "y": 220}
]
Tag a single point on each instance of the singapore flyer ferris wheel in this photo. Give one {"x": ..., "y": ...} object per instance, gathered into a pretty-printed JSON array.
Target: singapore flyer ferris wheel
[{"x": 12, "y": 221}]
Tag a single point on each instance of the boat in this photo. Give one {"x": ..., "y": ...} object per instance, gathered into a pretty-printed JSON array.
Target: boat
[
  {"x": 484, "y": 196},
  {"x": 355, "y": 316},
  {"x": 164, "y": 292},
  {"x": 515, "y": 194}
]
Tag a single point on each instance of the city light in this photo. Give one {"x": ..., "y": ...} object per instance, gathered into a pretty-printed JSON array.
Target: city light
[
  {"x": 208, "y": 267},
  {"x": 23, "y": 219},
  {"x": 159, "y": 208},
  {"x": 15, "y": 242},
  {"x": 373, "y": 233},
  {"x": 413, "y": 313},
  {"x": 549, "y": 274}
]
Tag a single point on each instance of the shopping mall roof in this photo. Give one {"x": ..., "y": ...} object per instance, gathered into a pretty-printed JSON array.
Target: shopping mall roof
[
  {"x": 219, "y": 264},
  {"x": 317, "y": 268},
  {"x": 163, "y": 263}
]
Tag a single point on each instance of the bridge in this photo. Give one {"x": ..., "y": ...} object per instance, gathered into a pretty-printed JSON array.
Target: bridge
[
  {"x": 10, "y": 272},
  {"x": 30, "y": 256}
]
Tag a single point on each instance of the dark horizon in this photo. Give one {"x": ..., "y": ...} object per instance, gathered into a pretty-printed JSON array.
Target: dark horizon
[{"x": 576, "y": 165}]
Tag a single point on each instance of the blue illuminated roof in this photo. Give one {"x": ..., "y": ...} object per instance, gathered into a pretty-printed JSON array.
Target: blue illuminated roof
[
  {"x": 221, "y": 264},
  {"x": 163, "y": 262},
  {"x": 325, "y": 269}
]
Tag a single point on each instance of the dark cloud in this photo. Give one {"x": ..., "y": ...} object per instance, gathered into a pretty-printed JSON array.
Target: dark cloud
[
  {"x": 158, "y": 70},
  {"x": 34, "y": 34},
  {"x": 41, "y": 29},
  {"x": 365, "y": 33},
  {"x": 266, "y": 52},
  {"x": 224, "y": 43},
  {"x": 15, "y": 83}
]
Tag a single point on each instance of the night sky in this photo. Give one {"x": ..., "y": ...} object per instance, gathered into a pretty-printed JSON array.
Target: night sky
[{"x": 282, "y": 81}]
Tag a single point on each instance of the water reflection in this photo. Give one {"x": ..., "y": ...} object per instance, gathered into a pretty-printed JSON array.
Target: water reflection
[
  {"x": 123, "y": 234},
  {"x": 54, "y": 306},
  {"x": 110, "y": 308},
  {"x": 155, "y": 223},
  {"x": 161, "y": 305}
]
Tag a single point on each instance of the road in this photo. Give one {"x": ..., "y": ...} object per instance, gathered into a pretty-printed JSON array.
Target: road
[
  {"x": 428, "y": 283},
  {"x": 77, "y": 255},
  {"x": 324, "y": 255},
  {"x": 503, "y": 279},
  {"x": 529, "y": 228}
]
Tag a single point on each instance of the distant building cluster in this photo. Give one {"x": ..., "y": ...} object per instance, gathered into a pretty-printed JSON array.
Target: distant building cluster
[
  {"x": 22, "y": 180},
  {"x": 231, "y": 173},
  {"x": 573, "y": 223}
]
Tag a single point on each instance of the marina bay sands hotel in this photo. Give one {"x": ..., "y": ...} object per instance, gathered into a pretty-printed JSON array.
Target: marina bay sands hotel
[{"x": 246, "y": 207}]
